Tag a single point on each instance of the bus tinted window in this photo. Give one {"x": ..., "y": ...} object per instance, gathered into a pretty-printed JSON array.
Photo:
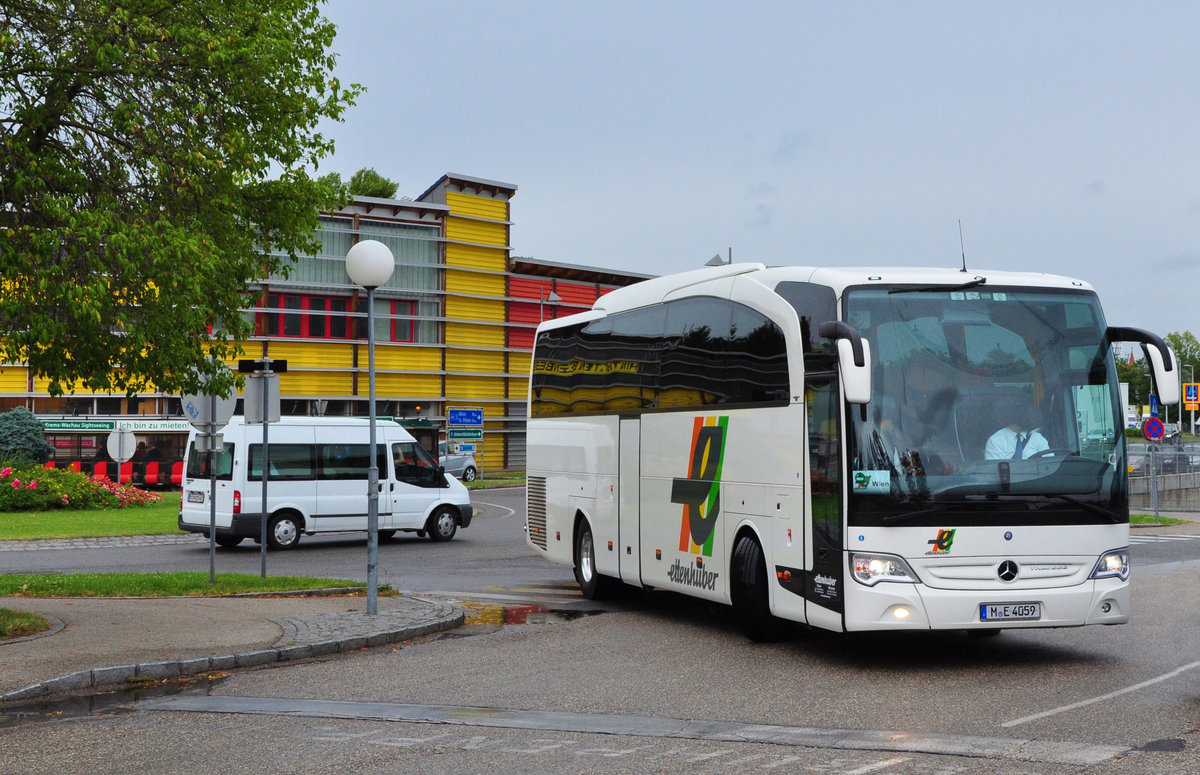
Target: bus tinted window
[{"x": 693, "y": 352}]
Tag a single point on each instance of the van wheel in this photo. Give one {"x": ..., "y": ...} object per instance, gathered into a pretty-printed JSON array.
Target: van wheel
[
  {"x": 749, "y": 593},
  {"x": 228, "y": 541},
  {"x": 469, "y": 474},
  {"x": 387, "y": 535},
  {"x": 283, "y": 532},
  {"x": 442, "y": 525}
]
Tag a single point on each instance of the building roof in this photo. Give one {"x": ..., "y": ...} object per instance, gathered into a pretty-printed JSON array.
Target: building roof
[{"x": 576, "y": 273}]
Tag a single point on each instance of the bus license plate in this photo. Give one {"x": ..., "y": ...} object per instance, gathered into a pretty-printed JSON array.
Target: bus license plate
[
  {"x": 195, "y": 497},
  {"x": 1009, "y": 612}
]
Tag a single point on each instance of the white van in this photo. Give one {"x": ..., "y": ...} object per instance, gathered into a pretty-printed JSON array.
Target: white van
[{"x": 318, "y": 483}]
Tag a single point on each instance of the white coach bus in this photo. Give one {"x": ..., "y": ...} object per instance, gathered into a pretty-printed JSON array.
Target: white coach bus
[{"x": 855, "y": 449}]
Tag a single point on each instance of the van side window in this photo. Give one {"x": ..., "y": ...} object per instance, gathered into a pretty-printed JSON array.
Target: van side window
[
  {"x": 347, "y": 461},
  {"x": 414, "y": 465},
  {"x": 288, "y": 461}
]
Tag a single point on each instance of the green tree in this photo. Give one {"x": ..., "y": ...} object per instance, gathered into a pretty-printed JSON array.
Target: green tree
[
  {"x": 368, "y": 182},
  {"x": 153, "y": 160},
  {"x": 23, "y": 437}
]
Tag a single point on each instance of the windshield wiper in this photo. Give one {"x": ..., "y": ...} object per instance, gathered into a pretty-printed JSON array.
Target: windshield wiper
[
  {"x": 1092, "y": 507},
  {"x": 928, "y": 288}
]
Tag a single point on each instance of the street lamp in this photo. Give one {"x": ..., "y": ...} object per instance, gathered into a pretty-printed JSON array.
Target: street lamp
[{"x": 370, "y": 264}]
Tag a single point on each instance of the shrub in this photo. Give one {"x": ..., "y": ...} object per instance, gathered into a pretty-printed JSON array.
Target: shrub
[
  {"x": 23, "y": 437},
  {"x": 30, "y": 487}
]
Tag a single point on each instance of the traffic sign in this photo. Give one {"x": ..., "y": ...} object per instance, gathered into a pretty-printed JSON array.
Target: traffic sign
[
  {"x": 1154, "y": 405},
  {"x": 465, "y": 434},
  {"x": 1154, "y": 429},
  {"x": 466, "y": 417}
]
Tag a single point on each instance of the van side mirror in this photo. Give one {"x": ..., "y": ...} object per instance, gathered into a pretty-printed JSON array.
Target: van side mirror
[
  {"x": 854, "y": 359},
  {"x": 1164, "y": 367}
]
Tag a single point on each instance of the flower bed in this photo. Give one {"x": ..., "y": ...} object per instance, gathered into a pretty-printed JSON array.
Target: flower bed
[{"x": 30, "y": 487}]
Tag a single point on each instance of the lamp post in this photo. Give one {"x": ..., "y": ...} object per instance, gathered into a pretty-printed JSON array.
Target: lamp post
[
  {"x": 1191, "y": 412},
  {"x": 370, "y": 264}
]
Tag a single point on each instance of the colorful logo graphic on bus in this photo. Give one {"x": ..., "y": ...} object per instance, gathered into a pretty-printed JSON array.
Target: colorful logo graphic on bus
[
  {"x": 942, "y": 543},
  {"x": 700, "y": 492}
]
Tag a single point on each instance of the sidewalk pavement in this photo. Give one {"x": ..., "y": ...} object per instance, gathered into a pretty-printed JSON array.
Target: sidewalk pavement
[{"x": 97, "y": 642}]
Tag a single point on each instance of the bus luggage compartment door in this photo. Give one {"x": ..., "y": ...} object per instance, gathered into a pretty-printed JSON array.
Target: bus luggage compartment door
[{"x": 629, "y": 517}]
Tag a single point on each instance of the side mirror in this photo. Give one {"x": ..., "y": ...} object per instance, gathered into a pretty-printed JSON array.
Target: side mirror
[
  {"x": 854, "y": 359},
  {"x": 1164, "y": 367}
]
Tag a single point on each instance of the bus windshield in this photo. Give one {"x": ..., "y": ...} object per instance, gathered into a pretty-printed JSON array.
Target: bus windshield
[{"x": 988, "y": 406}]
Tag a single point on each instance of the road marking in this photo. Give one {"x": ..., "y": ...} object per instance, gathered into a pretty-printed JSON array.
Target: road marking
[
  {"x": 649, "y": 726},
  {"x": 1103, "y": 697},
  {"x": 498, "y": 506},
  {"x": 1154, "y": 539},
  {"x": 876, "y": 766}
]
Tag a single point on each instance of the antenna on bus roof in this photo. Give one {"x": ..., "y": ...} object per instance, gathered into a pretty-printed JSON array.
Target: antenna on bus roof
[{"x": 962, "y": 245}]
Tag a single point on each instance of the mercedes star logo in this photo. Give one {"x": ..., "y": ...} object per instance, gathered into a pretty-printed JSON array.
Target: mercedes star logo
[{"x": 1008, "y": 570}]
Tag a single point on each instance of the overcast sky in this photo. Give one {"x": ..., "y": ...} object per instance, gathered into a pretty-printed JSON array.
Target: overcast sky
[{"x": 649, "y": 136}]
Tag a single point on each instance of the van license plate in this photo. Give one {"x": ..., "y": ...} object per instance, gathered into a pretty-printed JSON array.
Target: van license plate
[
  {"x": 1009, "y": 612},
  {"x": 195, "y": 497}
]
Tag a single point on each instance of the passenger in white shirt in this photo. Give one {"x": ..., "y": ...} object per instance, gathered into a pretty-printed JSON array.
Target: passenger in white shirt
[{"x": 1016, "y": 441}]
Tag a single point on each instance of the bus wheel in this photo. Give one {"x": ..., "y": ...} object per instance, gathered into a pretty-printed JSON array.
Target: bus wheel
[
  {"x": 748, "y": 590},
  {"x": 442, "y": 525},
  {"x": 228, "y": 541},
  {"x": 283, "y": 532},
  {"x": 591, "y": 583}
]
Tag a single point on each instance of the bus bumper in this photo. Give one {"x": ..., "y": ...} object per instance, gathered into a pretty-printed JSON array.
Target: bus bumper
[{"x": 894, "y": 606}]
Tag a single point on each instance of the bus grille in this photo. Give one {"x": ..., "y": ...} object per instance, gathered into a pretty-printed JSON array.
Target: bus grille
[{"x": 535, "y": 520}]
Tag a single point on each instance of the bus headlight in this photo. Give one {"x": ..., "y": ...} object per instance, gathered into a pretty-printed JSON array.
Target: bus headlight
[
  {"x": 870, "y": 569},
  {"x": 1114, "y": 564}
]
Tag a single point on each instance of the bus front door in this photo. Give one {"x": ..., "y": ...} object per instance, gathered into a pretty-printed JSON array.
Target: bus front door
[{"x": 629, "y": 514}]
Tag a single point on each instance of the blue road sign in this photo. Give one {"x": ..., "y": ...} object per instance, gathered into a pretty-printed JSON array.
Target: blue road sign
[
  {"x": 1154, "y": 405},
  {"x": 466, "y": 417}
]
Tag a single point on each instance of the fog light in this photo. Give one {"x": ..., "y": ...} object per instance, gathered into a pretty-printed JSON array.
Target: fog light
[
  {"x": 1107, "y": 607},
  {"x": 900, "y": 612}
]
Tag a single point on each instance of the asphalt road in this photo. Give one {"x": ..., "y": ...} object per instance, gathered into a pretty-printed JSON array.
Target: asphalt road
[{"x": 661, "y": 683}]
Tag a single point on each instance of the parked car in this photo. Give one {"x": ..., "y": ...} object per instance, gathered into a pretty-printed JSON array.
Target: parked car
[
  {"x": 1167, "y": 461},
  {"x": 461, "y": 465}
]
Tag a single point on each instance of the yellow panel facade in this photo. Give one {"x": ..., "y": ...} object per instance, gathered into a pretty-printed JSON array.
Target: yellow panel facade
[
  {"x": 13, "y": 379},
  {"x": 477, "y": 206},
  {"x": 315, "y": 383},
  {"x": 476, "y": 231},
  {"x": 486, "y": 310},
  {"x": 300, "y": 354},
  {"x": 475, "y": 360},
  {"x": 474, "y": 335},
  {"x": 477, "y": 257},
  {"x": 465, "y": 388},
  {"x": 416, "y": 358},
  {"x": 407, "y": 385}
]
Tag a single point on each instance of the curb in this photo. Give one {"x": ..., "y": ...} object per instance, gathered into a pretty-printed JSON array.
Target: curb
[{"x": 440, "y": 617}]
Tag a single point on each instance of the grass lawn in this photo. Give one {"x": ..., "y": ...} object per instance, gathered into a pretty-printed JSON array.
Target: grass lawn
[
  {"x": 18, "y": 624},
  {"x": 1150, "y": 519},
  {"x": 178, "y": 584},
  {"x": 157, "y": 519}
]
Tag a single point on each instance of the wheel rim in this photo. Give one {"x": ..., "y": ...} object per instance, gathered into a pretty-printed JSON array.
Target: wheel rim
[
  {"x": 470, "y": 475},
  {"x": 445, "y": 523},
  {"x": 587, "y": 557},
  {"x": 285, "y": 532}
]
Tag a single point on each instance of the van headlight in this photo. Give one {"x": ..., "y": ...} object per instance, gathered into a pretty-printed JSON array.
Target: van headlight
[
  {"x": 1113, "y": 565},
  {"x": 870, "y": 569}
]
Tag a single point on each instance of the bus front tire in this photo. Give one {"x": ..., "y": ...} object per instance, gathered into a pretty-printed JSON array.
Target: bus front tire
[
  {"x": 749, "y": 593},
  {"x": 283, "y": 532},
  {"x": 591, "y": 583}
]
